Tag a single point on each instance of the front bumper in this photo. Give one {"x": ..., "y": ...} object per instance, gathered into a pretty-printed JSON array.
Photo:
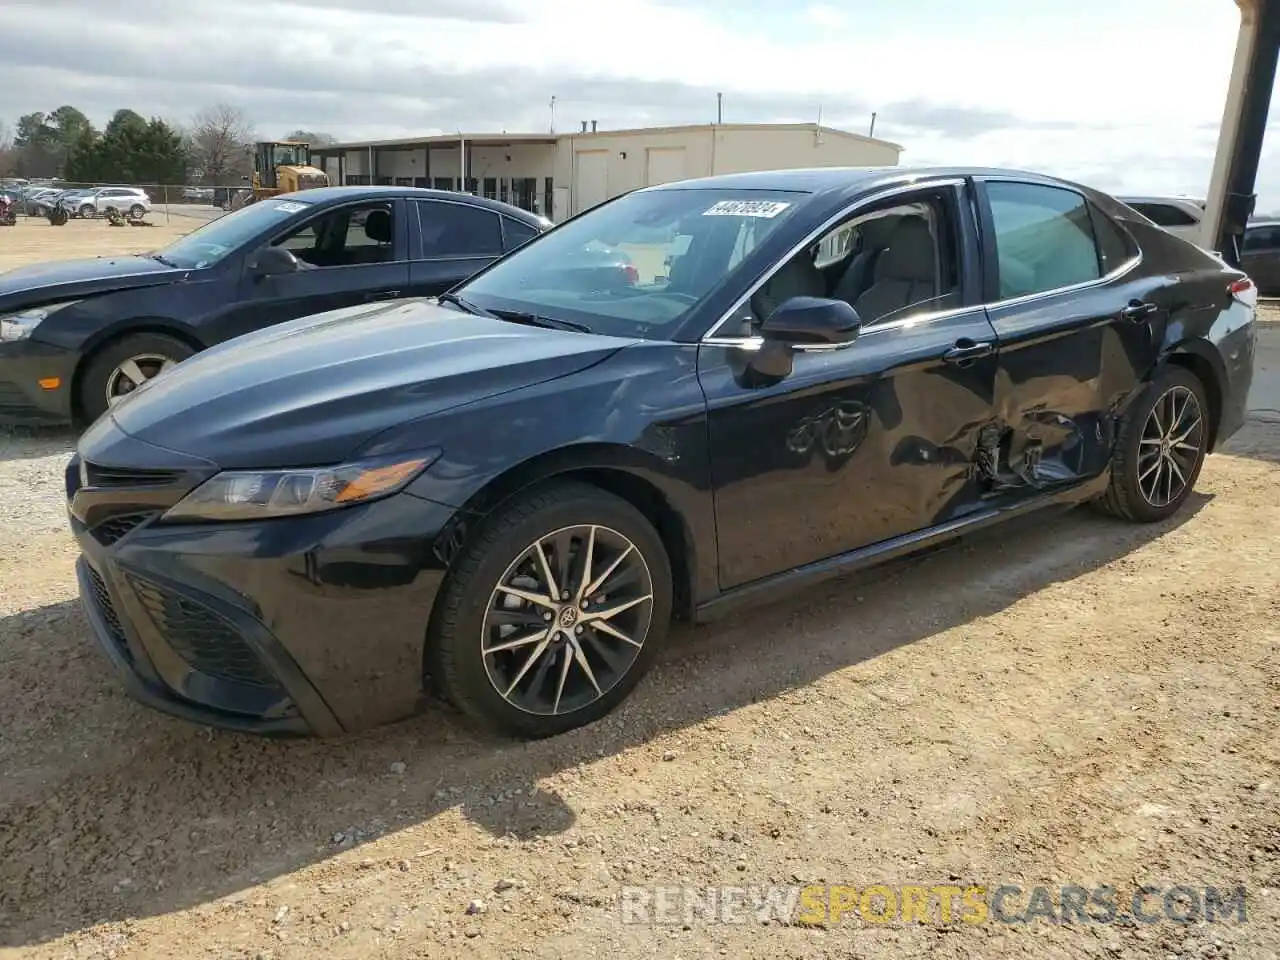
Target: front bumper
[
  {"x": 23, "y": 365},
  {"x": 307, "y": 625}
]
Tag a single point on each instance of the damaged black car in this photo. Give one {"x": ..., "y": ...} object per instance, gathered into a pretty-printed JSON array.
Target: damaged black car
[{"x": 503, "y": 496}]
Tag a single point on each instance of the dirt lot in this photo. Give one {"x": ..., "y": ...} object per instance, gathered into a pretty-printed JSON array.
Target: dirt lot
[
  {"x": 1071, "y": 701},
  {"x": 33, "y": 239}
]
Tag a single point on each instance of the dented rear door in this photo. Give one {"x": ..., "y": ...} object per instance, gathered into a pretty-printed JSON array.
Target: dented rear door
[{"x": 1073, "y": 318}]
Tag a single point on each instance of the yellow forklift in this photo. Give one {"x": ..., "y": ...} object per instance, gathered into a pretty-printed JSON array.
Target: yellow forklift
[{"x": 281, "y": 166}]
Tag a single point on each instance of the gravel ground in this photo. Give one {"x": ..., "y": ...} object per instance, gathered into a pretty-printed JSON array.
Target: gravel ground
[{"x": 1071, "y": 700}]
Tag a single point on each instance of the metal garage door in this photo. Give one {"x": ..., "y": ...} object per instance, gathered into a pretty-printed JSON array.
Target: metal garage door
[
  {"x": 590, "y": 179},
  {"x": 664, "y": 165}
]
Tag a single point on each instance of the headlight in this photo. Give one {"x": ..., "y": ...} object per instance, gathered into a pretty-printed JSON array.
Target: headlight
[
  {"x": 261, "y": 494},
  {"x": 18, "y": 326}
]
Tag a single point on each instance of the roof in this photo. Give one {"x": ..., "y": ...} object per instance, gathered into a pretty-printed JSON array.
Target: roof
[
  {"x": 440, "y": 139},
  {"x": 823, "y": 179},
  {"x": 495, "y": 139},
  {"x": 338, "y": 194}
]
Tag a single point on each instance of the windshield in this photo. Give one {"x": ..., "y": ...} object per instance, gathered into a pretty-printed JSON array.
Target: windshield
[
  {"x": 637, "y": 266},
  {"x": 289, "y": 155},
  {"x": 209, "y": 244}
]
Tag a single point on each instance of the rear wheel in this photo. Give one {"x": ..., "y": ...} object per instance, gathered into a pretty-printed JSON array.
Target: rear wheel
[
  {"x": 124, "y": 365},
  {"x": 137, "y": 211},
  {"x": 553, "y": 612},
  {"x": 88, "y": 210},
  {"x": 1163, "y": 440}
]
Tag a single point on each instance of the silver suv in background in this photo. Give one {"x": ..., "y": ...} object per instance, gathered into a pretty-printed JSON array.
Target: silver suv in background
[
  {"x": 1181, "y": 216},
  {"x": 131, "y": 201}
]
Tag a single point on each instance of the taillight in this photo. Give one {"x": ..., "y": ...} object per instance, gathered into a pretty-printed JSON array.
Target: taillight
[
  {"x": 631, "y": 273},
  {"x": 1244, "y": 291}
]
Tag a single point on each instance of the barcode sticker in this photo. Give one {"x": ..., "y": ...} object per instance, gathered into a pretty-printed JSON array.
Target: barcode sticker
[{"x": 746, "y": 208}]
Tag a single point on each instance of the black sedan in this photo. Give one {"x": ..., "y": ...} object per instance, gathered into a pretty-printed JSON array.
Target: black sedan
[
  {"x": 77, "y": 336},
  {"x": 503, "y": 497}
]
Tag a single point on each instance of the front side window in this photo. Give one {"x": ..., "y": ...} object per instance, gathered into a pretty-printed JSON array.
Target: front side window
[
  {"x": 887, "y": 263},
  {"x": 217, "y": 239},
  {"x": 1043, "y": 236},
  {"x": 345, "y": 237},
  {"x": 457, "y": 230},
  {"x": 1261, "y": 238},
  {"x": 637, "y": 265}
]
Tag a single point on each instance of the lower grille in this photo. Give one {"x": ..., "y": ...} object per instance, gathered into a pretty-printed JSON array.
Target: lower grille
[
  {"x": 201, "y": 637},
  {"x": 107, "y": 609},
  {"x": 114, "y": 528}
]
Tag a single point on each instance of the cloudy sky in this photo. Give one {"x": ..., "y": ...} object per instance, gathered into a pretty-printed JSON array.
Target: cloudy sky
[{"x": 1122, "y": 94}]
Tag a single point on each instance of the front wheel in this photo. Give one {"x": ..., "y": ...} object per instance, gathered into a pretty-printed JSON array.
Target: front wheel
[
  {"x": 553, "y": 612},
  {"x": 123, "y": 366},
  {"x": 88, "y": 211},
  {"x": 1162, "y": 443}
]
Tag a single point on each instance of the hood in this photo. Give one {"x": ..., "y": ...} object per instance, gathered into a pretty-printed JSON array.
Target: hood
[
  {"x": 310, "y": 391},
  {"x": 67, "y": 279}
]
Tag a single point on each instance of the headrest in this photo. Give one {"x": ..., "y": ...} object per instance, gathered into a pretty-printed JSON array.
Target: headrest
[
  {"x": 911, "y": 253},
  {"x": 377, "y": 226}
]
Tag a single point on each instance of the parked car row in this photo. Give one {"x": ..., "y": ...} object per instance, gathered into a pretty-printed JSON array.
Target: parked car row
[
  {"x": 350, "y": 493},
  {"x": 84, "y": 202}
]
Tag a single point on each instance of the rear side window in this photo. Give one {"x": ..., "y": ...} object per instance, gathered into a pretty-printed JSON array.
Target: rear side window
[
  {"x": 516, "y": 233},
  {"x": 458, "y": 230},
  {"x": 1044, "y": 238},
  {"x": 1115, "y": 246},
  {"x": 1165, "y": 215}
]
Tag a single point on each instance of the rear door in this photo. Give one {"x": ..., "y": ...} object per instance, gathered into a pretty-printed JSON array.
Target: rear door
[
  {"x": 1077, "y": 321},
  {"x": 352, "y": 254},
  {"x": 451, "y": 241}
]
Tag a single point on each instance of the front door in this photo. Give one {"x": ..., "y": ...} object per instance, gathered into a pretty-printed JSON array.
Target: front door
[
  {"x": 871, "y": 441},
  {"x": 453, "y": 241},
  {"x": 350, "y": 255},
  {"x": 1077, "y": 328}
]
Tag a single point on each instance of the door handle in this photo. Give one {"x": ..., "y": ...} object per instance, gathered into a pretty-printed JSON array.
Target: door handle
[
  {"x": 382, "y": 295},
  {"x": 1138, "y": 310},
  {"x": 966, "y": 351}
]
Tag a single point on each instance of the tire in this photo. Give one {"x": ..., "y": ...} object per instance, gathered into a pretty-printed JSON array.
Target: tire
[
  {"x": 470, "y": 615},
  {"x": 1143, "y": 427},
  {"x": 88, "y": 211},
  {"x": 137, "y": 211},
  {"x": 150, "y": 351}
]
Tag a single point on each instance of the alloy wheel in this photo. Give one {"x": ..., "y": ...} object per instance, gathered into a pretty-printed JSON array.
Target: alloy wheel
[
  {"x": 1170, "y": 446},
  {"x": 133, "y": 373},
  {"x": 567, "y": 620}
]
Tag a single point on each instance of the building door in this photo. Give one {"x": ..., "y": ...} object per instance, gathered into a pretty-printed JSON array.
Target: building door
[
  {"x": 664, "y": 165},
  {"x": 590, "y": 179}
]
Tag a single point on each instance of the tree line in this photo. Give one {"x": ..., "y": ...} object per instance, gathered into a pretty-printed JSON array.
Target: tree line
[{"x": 215, "y": 148}]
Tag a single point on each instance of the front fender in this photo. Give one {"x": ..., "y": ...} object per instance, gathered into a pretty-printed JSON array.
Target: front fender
[{"x": 641, "y": 412}]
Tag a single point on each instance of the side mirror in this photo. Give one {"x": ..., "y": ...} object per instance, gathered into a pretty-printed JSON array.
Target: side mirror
[
  {"x": 812, "y": 320},
  {"x": 273, "y": 261}
]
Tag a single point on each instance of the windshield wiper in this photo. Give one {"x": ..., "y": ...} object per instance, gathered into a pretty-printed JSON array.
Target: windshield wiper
[
  {"x": 463, "y": 303},
  {"x": 162, "y": 259},
  {"x": 537, "y": 320}
]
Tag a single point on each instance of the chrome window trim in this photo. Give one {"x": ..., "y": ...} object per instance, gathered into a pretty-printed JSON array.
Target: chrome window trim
[
  {"x": 816, "y": 234},
  {"x": 754, "y": 343}
]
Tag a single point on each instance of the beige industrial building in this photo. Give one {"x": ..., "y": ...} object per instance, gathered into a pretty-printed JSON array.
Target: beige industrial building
[{"x": 562, "y": 174}]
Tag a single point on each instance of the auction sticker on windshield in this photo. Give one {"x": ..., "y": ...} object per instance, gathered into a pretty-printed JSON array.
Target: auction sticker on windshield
[
  {"x": 290, "y": 206},
  {"x": 746, "y": 208}
]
